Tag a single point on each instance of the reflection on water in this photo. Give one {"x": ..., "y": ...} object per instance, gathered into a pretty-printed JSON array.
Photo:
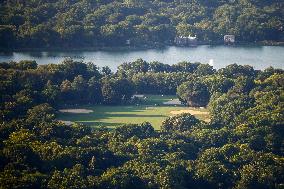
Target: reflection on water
[
  {"x": 219, "y": 56},
  {"x": 6, "y": 53},
  {"x": 211, "y": 62}
]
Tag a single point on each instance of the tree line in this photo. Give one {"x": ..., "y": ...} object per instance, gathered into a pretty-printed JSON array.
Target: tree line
[
  {"x": 87, "y": 23},
  {"x": 241, "y": 147}
]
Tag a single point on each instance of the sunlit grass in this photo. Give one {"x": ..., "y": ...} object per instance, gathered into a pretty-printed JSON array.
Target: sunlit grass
[{"x": 112, "y": 116}]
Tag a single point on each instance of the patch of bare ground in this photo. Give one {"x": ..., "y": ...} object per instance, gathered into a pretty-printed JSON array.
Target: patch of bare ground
[
  {"x": 193, "y": 112},
  {"x": 173, "y": 102},
  {"x": 68, "y": 123},
  {"x": 76, "y": 111},
  {"x": 197, "y": 113}
]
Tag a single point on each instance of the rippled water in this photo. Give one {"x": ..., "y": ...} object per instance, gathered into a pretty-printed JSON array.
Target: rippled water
[{"x": 260, "y": 57}]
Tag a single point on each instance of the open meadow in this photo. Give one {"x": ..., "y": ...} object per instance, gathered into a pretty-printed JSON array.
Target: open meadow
[{"x": 151, "y": 109}]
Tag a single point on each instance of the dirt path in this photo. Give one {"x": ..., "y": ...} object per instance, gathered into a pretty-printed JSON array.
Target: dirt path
[
  {"x": 203, "y": 115},
  {"x": 173, "y": 102},
  {"x": 139, "y": 96},
  {"x": 68, "y": 123},
  {"x": 193, "y": 112},
  {"x": 76, "y": 111}
]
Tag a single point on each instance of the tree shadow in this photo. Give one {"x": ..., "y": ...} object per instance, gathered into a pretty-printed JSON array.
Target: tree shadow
[
  {"x": 99, "y": 124},
  {"x": 132, "y": 115},
  {"x": 103, "y": 114},
  {"x": 96, "y": 122}
]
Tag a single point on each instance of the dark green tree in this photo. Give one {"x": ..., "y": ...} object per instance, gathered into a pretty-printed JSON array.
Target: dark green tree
[{"x": 193, "y": 93}]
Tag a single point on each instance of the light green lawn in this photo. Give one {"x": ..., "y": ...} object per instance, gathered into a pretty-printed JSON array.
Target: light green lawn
[{"x": 112, "y": 116}]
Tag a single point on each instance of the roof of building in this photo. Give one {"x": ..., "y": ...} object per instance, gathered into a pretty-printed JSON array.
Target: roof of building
[{"x": 189, "y": 37}]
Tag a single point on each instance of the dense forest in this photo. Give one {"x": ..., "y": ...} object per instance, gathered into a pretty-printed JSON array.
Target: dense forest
[
  {"x": 100, "y": 23},
  {"x": 241, "y": 147}
]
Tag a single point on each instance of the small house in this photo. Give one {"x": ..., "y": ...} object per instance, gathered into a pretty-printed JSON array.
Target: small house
[
  {"x": 229, "y": 39},
  {"x": 186, "y": 41}
]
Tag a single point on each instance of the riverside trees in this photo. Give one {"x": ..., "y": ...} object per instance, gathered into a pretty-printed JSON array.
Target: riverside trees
[{"x": 85, "y": 23}]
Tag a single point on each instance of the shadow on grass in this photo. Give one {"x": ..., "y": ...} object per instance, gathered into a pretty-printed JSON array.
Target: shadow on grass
[
  {"x": 105, "y": 115},
  {"x": 131, "y": 115},
  {"x": 99, "y": 124},
  {"x": 97, "y": 120}
]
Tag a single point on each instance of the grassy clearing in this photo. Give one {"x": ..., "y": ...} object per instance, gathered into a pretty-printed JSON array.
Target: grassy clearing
[{"x": 112, "y": 116}]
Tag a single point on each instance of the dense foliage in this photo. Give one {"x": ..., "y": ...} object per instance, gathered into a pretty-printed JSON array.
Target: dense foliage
[
  {"x": 89, "y": 23},
  {"x": 241, "y": 147}
]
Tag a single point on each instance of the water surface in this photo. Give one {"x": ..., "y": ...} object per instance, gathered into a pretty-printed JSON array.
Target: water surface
[{"x": 260, "y": 57}]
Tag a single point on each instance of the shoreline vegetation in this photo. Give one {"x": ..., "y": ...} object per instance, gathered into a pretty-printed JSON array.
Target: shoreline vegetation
[{"x": 139, "y": 47}]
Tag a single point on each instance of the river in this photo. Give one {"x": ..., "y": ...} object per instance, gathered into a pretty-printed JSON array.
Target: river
[{"x": 260, "y": 57}]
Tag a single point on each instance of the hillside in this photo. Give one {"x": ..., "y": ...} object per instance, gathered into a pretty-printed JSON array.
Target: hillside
[{"x": 88, "y": 23}]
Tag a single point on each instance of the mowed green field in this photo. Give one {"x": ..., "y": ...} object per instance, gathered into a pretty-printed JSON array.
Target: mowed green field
[{"x": 151, "y": 110}]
